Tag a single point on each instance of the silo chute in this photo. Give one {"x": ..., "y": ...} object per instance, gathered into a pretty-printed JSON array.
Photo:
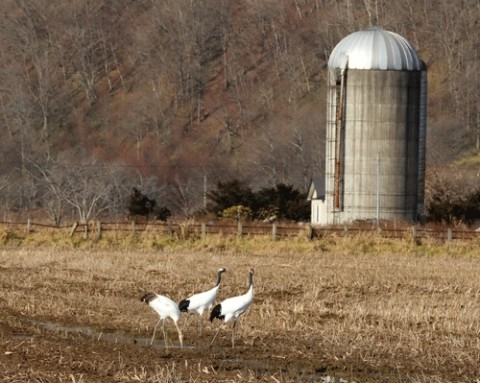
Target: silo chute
[{"x": 338, "y": 131}]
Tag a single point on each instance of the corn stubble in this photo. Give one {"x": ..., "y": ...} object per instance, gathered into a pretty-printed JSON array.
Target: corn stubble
[{"x": 366, "y": 309}]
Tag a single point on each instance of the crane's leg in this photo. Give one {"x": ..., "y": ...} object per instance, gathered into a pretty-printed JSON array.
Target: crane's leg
[
  {"x": 180, "y": 334},
  {"x": 165, "y": 335},
  {"x": 218, "y": 330},
  {"x": 233, "y": 333},
  {"x": 154, "y": 330}
]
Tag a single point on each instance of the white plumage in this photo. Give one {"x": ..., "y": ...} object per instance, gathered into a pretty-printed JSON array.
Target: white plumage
[
  {"x": 202, "y": 301},
  {"x": 233, "y": 308},
  {"x": 165, "y": 308}
]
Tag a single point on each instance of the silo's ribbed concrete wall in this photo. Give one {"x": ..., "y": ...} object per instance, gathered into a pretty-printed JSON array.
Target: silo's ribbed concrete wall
[{"x": 376, "y": 146}]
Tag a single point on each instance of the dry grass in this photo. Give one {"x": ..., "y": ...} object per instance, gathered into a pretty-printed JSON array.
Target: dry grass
[{"x": 367, "y": 309}]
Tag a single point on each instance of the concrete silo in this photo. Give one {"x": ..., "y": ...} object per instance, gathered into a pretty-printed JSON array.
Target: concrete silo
[{"x": 376, "y": 122}]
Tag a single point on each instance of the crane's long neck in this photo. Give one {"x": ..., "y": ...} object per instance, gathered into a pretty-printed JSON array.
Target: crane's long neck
[
  {"x": 250, "y": 283},
  {"x": 219, "y": 277}
]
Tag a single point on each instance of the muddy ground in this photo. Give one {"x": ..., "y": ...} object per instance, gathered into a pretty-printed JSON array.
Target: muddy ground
[{"x": 49, "y": 351}]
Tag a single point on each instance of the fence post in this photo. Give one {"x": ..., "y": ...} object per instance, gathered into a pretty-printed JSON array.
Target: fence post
[
  {"x": 239, "y": 228},
  {"x": 170, "y": 229},
  {"x": 274, "y": 231},
  {"x": 414, "y": 234},
  {"x": 72, "y": 230},
  {"x": 204, "y": 230},
  {"x": 309, "y": 231},
  {"x": 449, "y": 234},
  {"x": 132, "y": 226},
  {"x": 29, "y": 226},
  {"x": 98, "y": 229}
]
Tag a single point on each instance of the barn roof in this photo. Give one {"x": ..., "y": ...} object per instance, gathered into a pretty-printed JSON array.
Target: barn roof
[{"x": 317, "y": 188}]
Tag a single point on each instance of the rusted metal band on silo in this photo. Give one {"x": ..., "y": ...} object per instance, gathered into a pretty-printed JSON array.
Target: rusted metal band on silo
[{"x": 338, "y": 133}]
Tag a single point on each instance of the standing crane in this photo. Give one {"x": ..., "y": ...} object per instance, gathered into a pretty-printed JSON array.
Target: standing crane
[
  {"x": 165, "y": 308},
  {"x": 201, "y": 301},
  {"x": 232, "y": 309}
]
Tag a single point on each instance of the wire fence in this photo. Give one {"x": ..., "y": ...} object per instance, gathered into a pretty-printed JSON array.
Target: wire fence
[{"x": 275, "y": 230}]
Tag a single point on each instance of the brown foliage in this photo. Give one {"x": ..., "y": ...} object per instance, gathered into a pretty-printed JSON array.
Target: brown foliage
[{"x": 217, "y": 87}]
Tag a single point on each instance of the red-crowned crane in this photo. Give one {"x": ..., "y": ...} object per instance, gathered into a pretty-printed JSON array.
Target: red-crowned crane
[
  {"x": 201, "y": 301},
  {"x": 165, "y": 308},
  {"x": 232, "y": 309}
]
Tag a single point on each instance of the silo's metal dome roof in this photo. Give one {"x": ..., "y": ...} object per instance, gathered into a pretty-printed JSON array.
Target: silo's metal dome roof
[{"x": 375, "y": 48}]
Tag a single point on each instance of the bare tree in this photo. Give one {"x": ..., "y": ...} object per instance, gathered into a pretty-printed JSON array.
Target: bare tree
[
  {"x": 89, "y": 188},
  {"x": 5, "y": 194},
  {"x": 186, "y": 195},
  {"x": 35, "y": 53},
  {"x": 84, "y": 38}
]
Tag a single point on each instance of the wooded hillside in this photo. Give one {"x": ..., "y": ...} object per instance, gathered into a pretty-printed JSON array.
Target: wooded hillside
[{"x": 173, "y": 95}]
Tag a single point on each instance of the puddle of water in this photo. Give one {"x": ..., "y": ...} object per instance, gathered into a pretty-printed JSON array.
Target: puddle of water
[
  {"x": 103, "y": 336},
  {"x": 257, "y": 365}
]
